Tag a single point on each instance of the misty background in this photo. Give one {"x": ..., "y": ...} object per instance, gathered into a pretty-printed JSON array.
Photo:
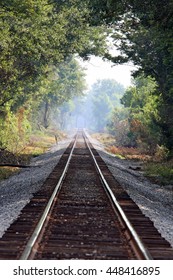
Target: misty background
[{"x": 93, "y": 110}]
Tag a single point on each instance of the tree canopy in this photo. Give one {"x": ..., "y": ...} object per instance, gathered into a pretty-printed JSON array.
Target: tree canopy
[
  {"x": 36, "y": 37},
  {"x": 142, "y": 32},
  {"x": 144, "y": 36},
  {"x": 105, "y": 95}
]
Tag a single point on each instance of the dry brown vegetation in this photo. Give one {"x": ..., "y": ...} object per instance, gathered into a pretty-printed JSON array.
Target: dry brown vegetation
[
  {"x": 120, "y": 151},
  {"x": 156, "y": 167},
  {"x": 128, "y": 153},
  {"x": 38, "y": 144}
]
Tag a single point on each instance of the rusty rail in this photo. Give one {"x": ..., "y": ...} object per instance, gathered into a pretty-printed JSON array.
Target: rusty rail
[
  {"x": 32, "y": 241},
  {"x": 137, "y": 244},
  {"x": 135, "y": 241}
]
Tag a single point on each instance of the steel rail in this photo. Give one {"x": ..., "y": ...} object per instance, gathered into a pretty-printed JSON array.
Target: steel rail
[
  {"x": 33, "y": 239},
  {"x": 138, "y": 245}
]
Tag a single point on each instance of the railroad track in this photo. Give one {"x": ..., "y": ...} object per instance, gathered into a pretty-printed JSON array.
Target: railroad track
[{"x": 81, "y": 212}]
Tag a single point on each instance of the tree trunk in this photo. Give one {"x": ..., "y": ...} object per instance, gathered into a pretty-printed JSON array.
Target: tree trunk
[{"x": 46, "y": 112}]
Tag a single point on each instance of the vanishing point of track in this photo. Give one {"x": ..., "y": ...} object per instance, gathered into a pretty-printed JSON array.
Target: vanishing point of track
[{"x": 81, "y": 212}]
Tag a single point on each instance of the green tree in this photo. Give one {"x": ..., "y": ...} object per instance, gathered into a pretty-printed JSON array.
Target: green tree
[
  {"x": 142, "y": 32},
  {"x": 143, "y": 105},
  {"x": 37, "y": 35},
  {"x": 105, "y": 95},
  {"x": 68, "y": 81},
  {"x": 119, "y": 127},
  {"x": 37, "y": 41}
]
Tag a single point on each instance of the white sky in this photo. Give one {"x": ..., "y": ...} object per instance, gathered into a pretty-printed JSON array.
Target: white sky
[{"x": 97, "y": 69}]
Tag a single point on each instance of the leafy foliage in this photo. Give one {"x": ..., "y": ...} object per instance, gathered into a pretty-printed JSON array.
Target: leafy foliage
[
  {"x": 105, "y": 95},
  {"x": 144, "y": 118},
  {"x": 37, "y": 68},
  {"x": 69, "y": 83},
  {"x": 93, "y": 109},
  {"x": 151, "y": 48},
  {"x": 36, "y": 35},
  {"x": 39, "y": 38},
  {"x": 142, "y": 32},
  {"x": 118, "y": 126}
]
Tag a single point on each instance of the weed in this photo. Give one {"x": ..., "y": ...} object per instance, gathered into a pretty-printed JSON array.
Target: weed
[
  {"x": 6, "y": 172},
  {"x": 37, "y": 145},
  {"x": 160, "y": 172}
]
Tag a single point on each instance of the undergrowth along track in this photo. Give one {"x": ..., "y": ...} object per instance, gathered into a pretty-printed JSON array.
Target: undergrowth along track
[{"x": 81, "y": 212}]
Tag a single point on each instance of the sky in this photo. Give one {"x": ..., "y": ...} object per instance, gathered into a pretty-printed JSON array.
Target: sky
[{"x": 96, "y": 69}]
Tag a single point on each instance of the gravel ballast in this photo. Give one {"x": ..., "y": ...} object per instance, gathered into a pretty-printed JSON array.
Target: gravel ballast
[
  {"x": 18, "y": 190},
  {"x": 155, "y": 201}
]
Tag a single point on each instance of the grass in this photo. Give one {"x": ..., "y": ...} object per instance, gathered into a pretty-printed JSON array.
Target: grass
[
  {"x": 155, "y": 168},
  {"x": 6, "y": 172},
  {"x": 104, "y": 138},
  {"x": 160, "y": 173},
  {"x": 119, "y": 151},
  {"x": 157, "y": 172},
  {"x": 37, "y": 145},
  {"x": 127, "y": 153}
]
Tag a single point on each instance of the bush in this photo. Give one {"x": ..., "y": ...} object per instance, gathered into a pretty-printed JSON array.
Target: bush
[
  {"x": 161, "y": 153},
  {"x": 14, "y": 131}
]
